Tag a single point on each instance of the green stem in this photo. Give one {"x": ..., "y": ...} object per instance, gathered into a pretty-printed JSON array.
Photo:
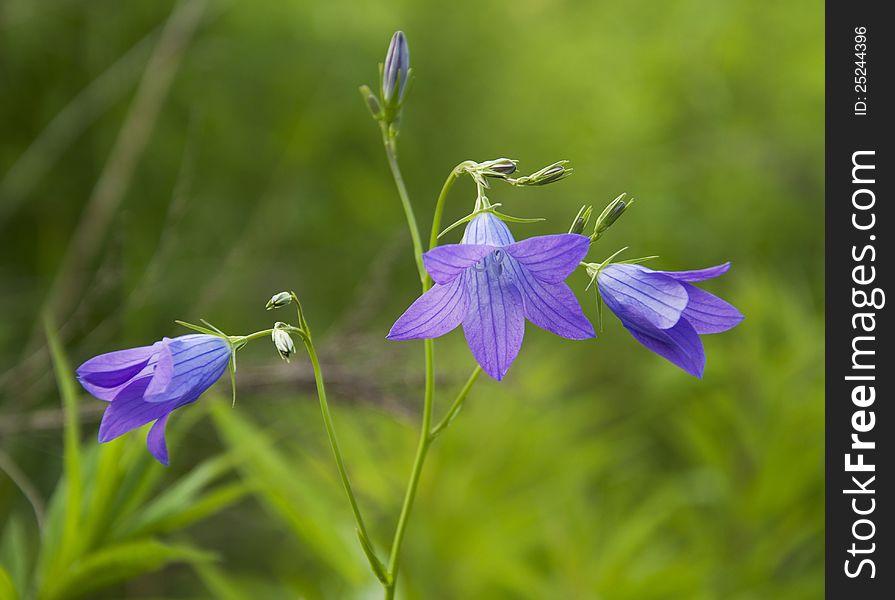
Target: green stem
[
  {"x": 457, "y": 405},
  {"x": 340, "y": 464},
  {"x": 442, "y": 198},
  {"x": 252, "y": 336},
  {"x": 391, "y": 153},
  {"x": 415, "y": 473}
]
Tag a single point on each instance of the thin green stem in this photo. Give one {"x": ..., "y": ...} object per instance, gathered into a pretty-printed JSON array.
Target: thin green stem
[
  {"x": 457, "y": 404},
  {"x": 415, "y": 472},
  {"x": 391, "y": 153},
  {"x": 442, "y": 198},
  {"x": 251, "y": 336},
  {"x": 337, "y": 453}
]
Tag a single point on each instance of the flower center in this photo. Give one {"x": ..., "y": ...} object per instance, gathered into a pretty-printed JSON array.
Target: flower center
[{"x": 491, "y": 263}]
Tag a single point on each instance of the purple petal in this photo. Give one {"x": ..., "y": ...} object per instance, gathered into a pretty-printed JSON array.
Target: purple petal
[
  {"x": 487, "y": 229},
  {"x": 155, "y": 440},
  {"x": 708, "y": 313},
  {"x": 163, "y": 372},
  {"x": 645, "y": 298},
  {"x": 198, "y": 361},
  {"x": 495, "y": 321},
  {"x": 129, "y": 411},
  {"x": 550, "y": 258},
  {"x": 680, "y": 345},
  {"x": 435, "y": 313},
  {"x": 551, "y": 306},
  {"x": 445, "y": 263},
  {"x": 103, "y": 376},
  {"x": 698, "y": 274}
]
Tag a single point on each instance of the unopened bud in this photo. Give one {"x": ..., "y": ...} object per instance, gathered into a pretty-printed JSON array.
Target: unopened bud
[
  {"x": 279, "y": 300},
  {"x": 500, "y": 167},
  {"x": 610, "y": 215},
  {"x": 549, "y": 174},
  {"x": 614, "y": 214},
  {"x": 581, "y": 219},
  {"x": 283, "y": 341},
  {"x": 372, "y": 101},
  {"x": 396, "y": 68}
]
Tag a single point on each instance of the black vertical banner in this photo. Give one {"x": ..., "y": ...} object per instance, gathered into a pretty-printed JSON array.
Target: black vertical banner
[{"x": 860, "y": 421}]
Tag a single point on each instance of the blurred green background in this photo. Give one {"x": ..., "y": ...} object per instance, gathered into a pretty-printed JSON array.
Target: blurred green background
[{"x": 163, "y": 160}]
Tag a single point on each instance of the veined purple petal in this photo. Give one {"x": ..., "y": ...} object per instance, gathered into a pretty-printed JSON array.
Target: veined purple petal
[
  {"x": 551, "y": 306},
  {"x": 129, "y": 411},
  {"x": 163, "y": 372},
  {"x": 433, "y": 314},
  {"x": 495, "y": 321},
  {"x": 698, "y": 274},
  {"x": 708, "y": 313},
  {"x": 103, "y": 376},
  {"x": 445, "y": 263},
  {"x": 550, "y": 258},
  {"x": 155, "y": 440},
  {"x": 487, "y": 229},
  {"x": 638, "y": 295},
  {"x": 198, "y": 361},
  {"x": 679, "y": 344}
]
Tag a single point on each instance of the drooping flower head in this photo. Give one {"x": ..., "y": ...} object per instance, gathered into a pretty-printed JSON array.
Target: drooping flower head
[
  {"x": 146, "y": 384},
  {"x": 490, "y": 284},
  {"x": 665, "y": 312}
]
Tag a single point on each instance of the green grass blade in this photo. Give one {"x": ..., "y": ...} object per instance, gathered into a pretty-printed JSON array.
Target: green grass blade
[{"x": 72, "y": 447}]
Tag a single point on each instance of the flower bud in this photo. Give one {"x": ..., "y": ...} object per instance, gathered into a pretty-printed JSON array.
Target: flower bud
[
  {"x": 549, "y": 174},
  {"x": 372, "y": 101},
  {"x": 396, "y": 68},
  {"x": 283, "y": 341},
  {"x": 279, "y": 300},
  {"x": 610, "y": 215},
  {"x": 499, "y": 167},
  {"x": 581, "y": 219},
  {"x": 614, "y": 214}
]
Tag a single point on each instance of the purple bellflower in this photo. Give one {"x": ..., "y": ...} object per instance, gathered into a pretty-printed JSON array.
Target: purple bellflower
[
  {"x": 148, "y": 383},
  {"x": 490, "y": 283},
  {"x": 665, "y": 312}
]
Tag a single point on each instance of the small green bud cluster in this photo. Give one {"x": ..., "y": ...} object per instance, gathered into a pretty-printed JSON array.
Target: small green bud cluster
[{"x": 280, "y": 334}]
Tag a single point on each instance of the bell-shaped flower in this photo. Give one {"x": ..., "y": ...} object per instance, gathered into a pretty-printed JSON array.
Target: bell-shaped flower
[
  {"x": 490, "y": 284},
  {"x": 665, "y": 312},
  {"x": 146, "y": 384}
]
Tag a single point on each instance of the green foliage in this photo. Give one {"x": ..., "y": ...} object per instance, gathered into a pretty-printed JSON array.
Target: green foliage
[{"x": 594, "y": 470}]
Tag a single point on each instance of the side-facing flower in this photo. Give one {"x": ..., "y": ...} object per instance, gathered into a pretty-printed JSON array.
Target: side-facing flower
[
  {"x": 147, "y": 383},
  {"x": 490, "y": 283},
  {"x": 665, "y": 312}
]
